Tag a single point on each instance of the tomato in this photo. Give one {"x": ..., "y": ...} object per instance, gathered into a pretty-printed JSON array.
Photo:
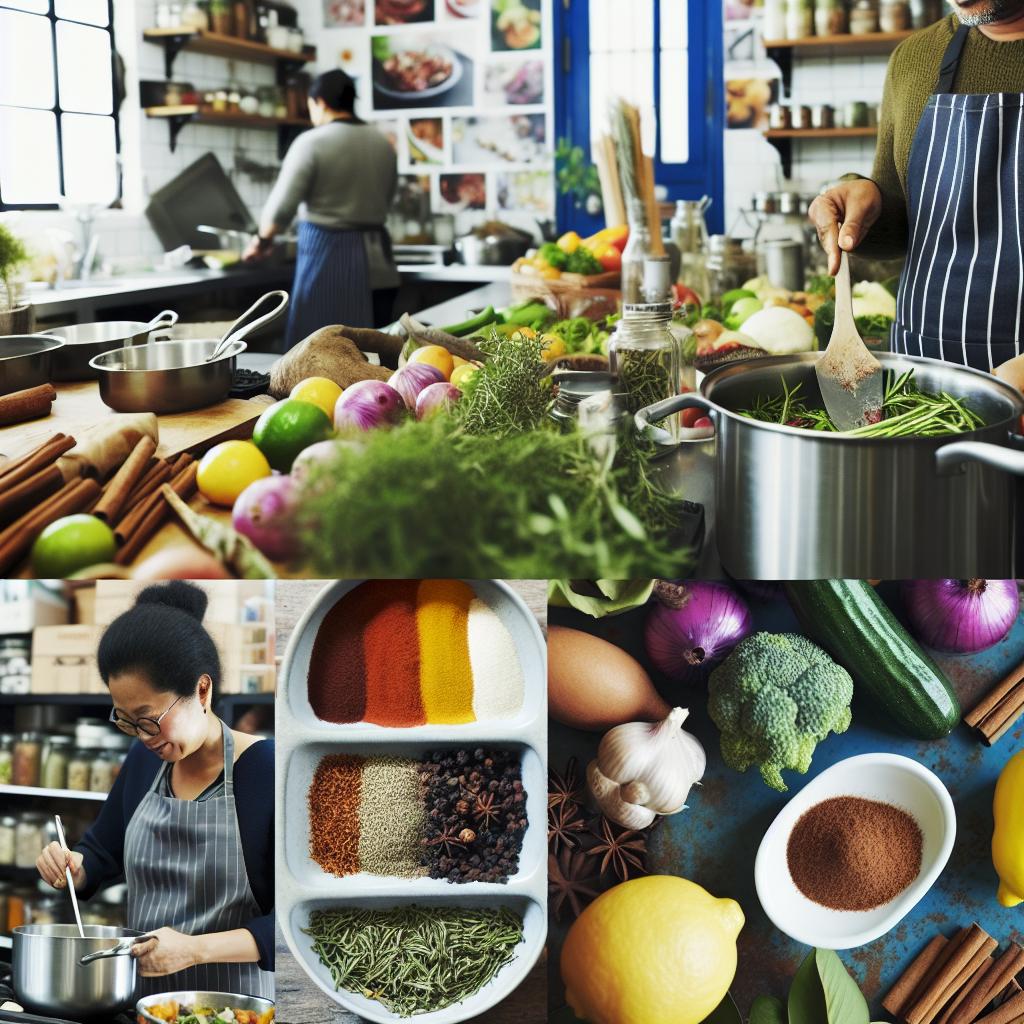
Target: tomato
[
  {"x": 703, "y": 422},
  {"x": 609, "y": 257},
  {"x": 689, "y": 417},
  {"x": 685, "y": 296}
]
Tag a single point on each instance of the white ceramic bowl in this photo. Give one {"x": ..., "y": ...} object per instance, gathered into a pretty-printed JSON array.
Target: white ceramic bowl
[{"x": 891, "y": 779}]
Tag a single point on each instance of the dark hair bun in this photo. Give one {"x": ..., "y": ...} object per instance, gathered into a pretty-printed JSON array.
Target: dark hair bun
[{"x": 186, "y": 597}]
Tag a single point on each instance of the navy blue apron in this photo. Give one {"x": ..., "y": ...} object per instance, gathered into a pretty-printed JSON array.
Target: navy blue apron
[
  {"x": 332, "y": 282},
  {"x": 961, "y": 294}
]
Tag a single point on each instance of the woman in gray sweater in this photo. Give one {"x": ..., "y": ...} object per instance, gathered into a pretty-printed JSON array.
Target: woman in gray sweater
[{"x": 340, "y": 178}]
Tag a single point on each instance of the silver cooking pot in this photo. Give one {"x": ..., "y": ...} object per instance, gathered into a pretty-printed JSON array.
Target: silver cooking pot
[
  {"x": 26, "y": 360},
  {"x": 175, "y": 376},
  {"x": 802, "y": 504},
  {"x": 83, "y": 341},
  {"x": 494, "y": 249},
  {"x": 50, "y": 980}
]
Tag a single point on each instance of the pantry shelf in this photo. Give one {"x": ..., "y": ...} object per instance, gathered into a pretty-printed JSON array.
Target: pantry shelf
[
  {"x": 782, "y": 50},
  {"x": 59, "y": 794},
  {"x": 179, "y": 116},
  {"x": 782, "y": 139},
  {"x": 174, "y": 40}
]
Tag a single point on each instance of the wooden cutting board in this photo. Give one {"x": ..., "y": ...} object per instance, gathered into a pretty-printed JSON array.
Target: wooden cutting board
[{"x": 78, "y": 406}]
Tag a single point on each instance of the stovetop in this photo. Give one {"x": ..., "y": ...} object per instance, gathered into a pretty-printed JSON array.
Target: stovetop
[{"x": 22, "y": 1017}]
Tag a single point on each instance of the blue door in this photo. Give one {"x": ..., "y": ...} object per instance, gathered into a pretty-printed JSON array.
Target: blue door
[{"x": 665, "y": 57}]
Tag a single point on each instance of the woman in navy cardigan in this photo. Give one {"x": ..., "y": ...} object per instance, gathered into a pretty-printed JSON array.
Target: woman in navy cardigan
[{"x": 189, "y": 821}]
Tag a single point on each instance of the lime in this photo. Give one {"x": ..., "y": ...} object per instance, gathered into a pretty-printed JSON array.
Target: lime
[
  {"x": 228, "y": 468},
  {"x": 286, "y": 428},
  {"x": 320, "y": 391},
  {"x": 70, "y": 545}
]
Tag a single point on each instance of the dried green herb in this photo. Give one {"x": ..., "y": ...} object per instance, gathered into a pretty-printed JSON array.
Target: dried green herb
[
  {"x": 415, "y": 959},
  {"x": 645, "y": 375}
]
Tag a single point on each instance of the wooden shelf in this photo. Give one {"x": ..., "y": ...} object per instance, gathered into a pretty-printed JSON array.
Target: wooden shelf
[
  {"x": 174, "y": 40},
  {"x": 60, "y": 794},
  {"x": 179, "y": 116},
  {"x": 847, "y": 40},
  {"x": 820, "y": 133}
]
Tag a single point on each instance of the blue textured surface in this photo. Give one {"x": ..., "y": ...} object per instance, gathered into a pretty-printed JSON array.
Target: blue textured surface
[{"x": 715, "y": 841}]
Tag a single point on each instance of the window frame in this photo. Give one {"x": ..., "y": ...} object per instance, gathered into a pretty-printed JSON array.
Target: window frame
[
  {"x": 58, "y": 111},
  {"x": 703, "y": 173}
]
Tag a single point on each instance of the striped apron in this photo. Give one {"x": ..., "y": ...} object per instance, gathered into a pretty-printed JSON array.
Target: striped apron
[
  {"x": 185, "y": 870},
  {"x": 961, "y": 294},
  {"x": 332, "y": 282}
]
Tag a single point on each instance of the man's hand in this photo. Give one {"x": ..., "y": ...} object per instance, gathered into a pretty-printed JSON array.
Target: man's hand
[
  {"x": 843, "y": 215},
  {"x": 51, "y": 864},
  {"x": 167, "y": 952}
]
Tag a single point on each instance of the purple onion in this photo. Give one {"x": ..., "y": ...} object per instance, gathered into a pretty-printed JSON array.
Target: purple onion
[
  {"x": 436, "y": 397},
  {"x": 412, "y": 378},
  {"x": 265, "y": 513},
  {"x": 368, "y": 404},
  {"x": 961, "y": 616},
  {"x": 686, "y": 643}
]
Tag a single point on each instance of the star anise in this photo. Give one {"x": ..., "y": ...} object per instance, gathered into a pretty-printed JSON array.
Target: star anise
[
  {"x": 450, "y": 839},
  {"x": 622, "y": 850},
  {"x": 571, "y": 883},
  {"x": 564, "y": 827},
  {"x": 485, "y": 809},
  {"x": 566, "y": 788}
]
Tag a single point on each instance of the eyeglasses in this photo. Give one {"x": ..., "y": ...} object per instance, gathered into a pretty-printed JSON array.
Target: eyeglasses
[{"x": 144, "y": 726}]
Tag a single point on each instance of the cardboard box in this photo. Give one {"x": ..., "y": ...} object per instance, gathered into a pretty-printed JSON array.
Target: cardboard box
[
  {"x": 84, "y": 606},
  {"x": 64, "y": 660},
  {"x": 25, "y": 616},
  {"x": 226, "y": 598}
]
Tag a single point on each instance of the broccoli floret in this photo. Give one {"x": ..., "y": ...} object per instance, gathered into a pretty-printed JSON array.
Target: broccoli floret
[
  {"x": 583, "y": 261},
  {"x": 774, "y": 699},
  {"x": 553, "y": 256}
]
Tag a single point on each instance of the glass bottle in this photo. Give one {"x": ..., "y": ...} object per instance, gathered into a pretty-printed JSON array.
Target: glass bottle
[
  {"x": 79, "y": 769},
  {"x": 29, "y": 839},
  {"x": 799, "y": 19},
  {"x": 28, "y": 750},
  {"x": 6, "y": 759},
  {"x": 689, "y": 232},
  {"x": 55, "y": 762},
  {"x": 101, "y": 774},
  {"x": 637, "y": 250},
  {"x": 643, "y": 354}
]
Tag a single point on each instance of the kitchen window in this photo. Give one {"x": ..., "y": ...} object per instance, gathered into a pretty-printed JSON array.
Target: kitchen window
[{"x": 58, "y": 117}]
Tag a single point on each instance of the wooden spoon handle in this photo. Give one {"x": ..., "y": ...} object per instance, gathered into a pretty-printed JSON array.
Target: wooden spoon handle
[{"x": 844, "y": 293}]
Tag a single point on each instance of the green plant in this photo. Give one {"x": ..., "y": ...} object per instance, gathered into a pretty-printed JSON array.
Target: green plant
[
  {"x": 575, "y": 174},
  {"x": 774, "y": 699},
  {"x": 12, "y": 255},
  {"x": 822, "y": 992}
]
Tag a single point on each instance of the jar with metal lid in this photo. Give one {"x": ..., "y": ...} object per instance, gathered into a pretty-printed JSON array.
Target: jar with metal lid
[
  {"x": 830, "y": 18},
  {"x": 29, "y": 839},
  {"x": 101, "y": 772},
  {"x": 895, "y": 16},
  {"x": 643, "y": 354},
  {"x": 27, "y": 761},
  {"x": 6, "y": 759},
  {"x": 8, "y": 841},
  {"x": 79, "y": 770},
  {"x": 864, "y": 17},
  {"x": 55, "y": 762}
]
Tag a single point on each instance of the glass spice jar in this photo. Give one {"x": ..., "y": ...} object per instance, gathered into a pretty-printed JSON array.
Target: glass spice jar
[
  {"x": 55, "y": 762},
  {"x": 79, "y": 770},
  {"x": 6, "y": 759},
  {"x": 29, "y": 839},
  {"x": 18, "y": 902},
  {"x": 799, "y": 19},
  {"x": 830, "y": 18},
  {"x": 8, "y": 842},
  {"x": 28, "y": 751},
  {"x": 101, "y": 772},
  {"x": 895, "y": 16},
  {"x": 864, "y": 17}
]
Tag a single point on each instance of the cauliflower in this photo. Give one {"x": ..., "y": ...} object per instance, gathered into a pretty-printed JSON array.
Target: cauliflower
[{"x": 774, "y": 699}]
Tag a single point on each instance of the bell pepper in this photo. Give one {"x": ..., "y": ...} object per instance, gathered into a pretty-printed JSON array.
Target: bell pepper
[
  {"x": 608, "y": 256},
  {"x": 1008, "y": 838},
  {"x": 569, "y": 242},
  {"x": 617, "y": 236}
]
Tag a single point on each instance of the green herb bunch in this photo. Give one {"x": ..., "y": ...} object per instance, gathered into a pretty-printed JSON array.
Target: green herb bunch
[{"x": 12, "y": 255}]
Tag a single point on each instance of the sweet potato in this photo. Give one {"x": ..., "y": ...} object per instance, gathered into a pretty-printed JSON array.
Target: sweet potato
[{"x": 330, "y": 353}]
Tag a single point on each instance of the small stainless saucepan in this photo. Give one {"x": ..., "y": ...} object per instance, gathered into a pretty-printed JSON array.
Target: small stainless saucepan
[
  {"x": 83, "y": 341},
  {"x": 51, "y": 978},
  {"x": 26, "y": 360},
  {"x": 175, "y": 376}
]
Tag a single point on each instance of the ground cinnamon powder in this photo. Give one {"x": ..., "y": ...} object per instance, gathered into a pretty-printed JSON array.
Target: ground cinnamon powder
[
  {"x": 391, "y": 654},
  {"x": 848, "y": 853},
  {"x": 337, "y": 673}
]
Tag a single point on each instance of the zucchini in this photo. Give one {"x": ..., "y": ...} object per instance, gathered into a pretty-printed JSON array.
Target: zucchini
[
  {"x": 473, "y": 324},
  {"x": 855, "y": 626}
]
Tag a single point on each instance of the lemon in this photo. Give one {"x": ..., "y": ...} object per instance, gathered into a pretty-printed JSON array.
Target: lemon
[
  {"x": 552, "y": 347},
  {"x": 228, "y": 468},
  {"x": 434, "y": 355},
  {"x": 461, "y": 374},
  {"x": 320, "y": 391},
  {"x": 655, "y": 949}
]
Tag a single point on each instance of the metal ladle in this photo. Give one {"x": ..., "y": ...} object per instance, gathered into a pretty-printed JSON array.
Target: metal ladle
[
  {"x": 244, "y": 326},
  {"x": 67, "y": 872}
]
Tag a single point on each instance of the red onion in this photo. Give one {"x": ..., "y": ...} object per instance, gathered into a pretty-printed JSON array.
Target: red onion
[
  {"x": 368, "y": 404},
  {"x": 435, "y": 397},
  {"x": 412, "y": 378},
  {"x": 961, "y": 616},
  {"x": 265, "y": 511},
  {"x": 686, "y": 643}
]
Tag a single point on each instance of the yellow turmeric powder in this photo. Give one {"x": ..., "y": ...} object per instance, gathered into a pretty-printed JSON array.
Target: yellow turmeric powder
[{"x": 446, "y": 676}]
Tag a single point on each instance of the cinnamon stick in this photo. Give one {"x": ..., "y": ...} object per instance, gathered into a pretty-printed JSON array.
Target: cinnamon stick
[
  {"x": 959, "y": 954},
  {"x": 144, "y": 490},
  {"x": 29, "y": 404},
  {"x": 1009, "y": 1011},
  {"x": 900, "y": 995},
  {"x": 184, "y": 485},
  {"x": 21, "y": 497},
  {"x": 979, "y": 974},
  {"x": 48, "y": 452},
  {"x": 1004, "y": 717},
  {"x": 16, "y": 539},
  {"x": 1008, "y": 966},
  {"x": 121, "y": 484},
  {"x": 994, "y": 697}
]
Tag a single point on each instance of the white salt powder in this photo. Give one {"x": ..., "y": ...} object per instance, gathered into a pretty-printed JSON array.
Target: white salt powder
[{"x": 497, "y": 674}]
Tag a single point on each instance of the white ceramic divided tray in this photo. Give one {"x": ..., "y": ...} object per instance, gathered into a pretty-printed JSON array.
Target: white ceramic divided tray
[
  {"x": 303, "y": 739},
  {"x": 889, "y": 778}
]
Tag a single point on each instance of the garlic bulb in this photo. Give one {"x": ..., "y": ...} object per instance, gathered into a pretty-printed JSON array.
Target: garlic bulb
[{"x": 643, "y": 770}]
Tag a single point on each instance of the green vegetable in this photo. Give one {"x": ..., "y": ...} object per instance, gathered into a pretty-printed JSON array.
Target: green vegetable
[
  {"x": 599, "y": 598},
  {"x": 583, "y": 261},
  {"x": 381, "y": 47},
  {"x": 483, "y": 319},
  {"x": 774, "y": 699},
  {"x": 850, "y": 620},
  {"x": 822, "y": 284},
  {"x": 581, "y": 334},
  {"x": 553, "y": 256},
  {"x": 528, "y": 314},
  {"x": 730, "y": 298}
]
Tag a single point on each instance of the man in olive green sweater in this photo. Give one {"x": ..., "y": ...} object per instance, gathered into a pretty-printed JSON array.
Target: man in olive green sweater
[{"x": 947, "y": 189}]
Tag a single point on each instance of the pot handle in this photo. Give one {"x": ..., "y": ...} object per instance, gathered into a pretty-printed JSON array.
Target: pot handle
[
  {"x": 121, "y": 949},
  {"x": 249, "y": 321},
  {"x": 163, "y": 321},
  {"x": 952, "y": 458},
  {"x": 646, "y": 418}
]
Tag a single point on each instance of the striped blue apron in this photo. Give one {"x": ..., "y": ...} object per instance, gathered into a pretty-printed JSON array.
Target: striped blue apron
[
  {"x": 961, "y": 294},
  {"x": 185, "y": 870},
  {"x": 332, "y": 282}
]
